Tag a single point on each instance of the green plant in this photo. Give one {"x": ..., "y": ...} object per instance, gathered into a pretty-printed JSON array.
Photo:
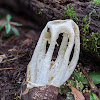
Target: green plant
[
  {"x": 95, "y": 42},
  {"x": 85, "y": 19},
  {"x": 85, "y": 29},
  {"x": 95, "y": 76},
  {"x": 60, "y": 89},
  {"x": 40, "y": 12},
  {"x": 79, "y": 84},
  {"x": 93, "y": 11},
  {"x": 92, "y": 43},
  {"x": 93, "y": 96},
  {"x": 96, "y": 2},
  {"x": 87, "y": 23},
  {"x": 10, "y": 26},
  {"x": 70, "y": 12}
]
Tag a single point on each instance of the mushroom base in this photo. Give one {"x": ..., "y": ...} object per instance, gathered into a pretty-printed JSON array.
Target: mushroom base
[{"x": 48, "y": 92}]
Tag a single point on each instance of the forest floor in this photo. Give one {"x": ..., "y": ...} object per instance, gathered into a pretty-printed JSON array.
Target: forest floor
[{"x": 17, "y": 51}]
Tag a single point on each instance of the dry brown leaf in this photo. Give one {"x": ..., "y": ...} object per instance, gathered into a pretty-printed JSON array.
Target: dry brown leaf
[{"x": 77, "y": 94}]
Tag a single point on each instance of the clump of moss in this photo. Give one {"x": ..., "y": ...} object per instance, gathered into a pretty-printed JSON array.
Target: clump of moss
[
  {"x": 95, "y": 43},
  {"x": 92, "y": 42},
  {"x": 71, "y": 13},
  {"x": 96, "y": 2}
]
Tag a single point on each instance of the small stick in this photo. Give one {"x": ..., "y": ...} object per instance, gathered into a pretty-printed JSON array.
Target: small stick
[
  {"x": 93, "y": 87},
  {"x": 6, "y": 68}
]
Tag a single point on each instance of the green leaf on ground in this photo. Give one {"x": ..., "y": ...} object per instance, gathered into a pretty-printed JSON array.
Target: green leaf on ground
[
  {"x": 16, "y": 32},
  {"x": 93, "y": 96},
  {"x": 80, "y": 85},
  {"x": 80, "y": 77},
  {"x": 7, "y": 27},
  {"x": 3, "y": 24},
  {"x": 16, "y": 24},
  {"x": 95, "y": 76},
  {"x": 61, "y": 87},
  {"x": 71, "y": 82},
  {"x": 8, "y": 17},
  {"x": 96, "y": 2}
]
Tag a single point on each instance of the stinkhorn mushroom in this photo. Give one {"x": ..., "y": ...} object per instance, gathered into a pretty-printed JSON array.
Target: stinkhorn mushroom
[{"x": 44, "y": 76}]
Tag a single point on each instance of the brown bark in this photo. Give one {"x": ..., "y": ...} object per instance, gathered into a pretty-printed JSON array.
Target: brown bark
[{"x": 52, "y": 9}]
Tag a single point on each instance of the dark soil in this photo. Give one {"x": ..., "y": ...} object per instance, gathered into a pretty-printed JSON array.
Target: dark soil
[{"x": 22, "y": 50}]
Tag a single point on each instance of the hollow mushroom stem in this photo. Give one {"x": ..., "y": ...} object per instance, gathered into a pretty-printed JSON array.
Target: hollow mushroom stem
[{"x": 44, "y": 78}]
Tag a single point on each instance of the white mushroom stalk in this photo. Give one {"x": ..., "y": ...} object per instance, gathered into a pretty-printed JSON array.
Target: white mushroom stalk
[{"x": 42, "y": 70}]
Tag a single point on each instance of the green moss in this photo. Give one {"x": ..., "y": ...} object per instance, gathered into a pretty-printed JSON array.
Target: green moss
[
  {"x": 60, "y": 89},
  {"x": 95, "y": 43},
  {"x": 70, "y": 12},
  {"x": 40, "y": 11},
  {"x": 92, "y": 43},
  {"x": 96, "y": 2}
]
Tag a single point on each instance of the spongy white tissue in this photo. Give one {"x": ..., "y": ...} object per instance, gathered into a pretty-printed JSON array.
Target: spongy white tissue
[{"x": 42, "y": 70}]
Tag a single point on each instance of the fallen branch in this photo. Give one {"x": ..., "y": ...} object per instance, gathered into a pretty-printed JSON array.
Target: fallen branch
[{"x": 93, "y": 87}]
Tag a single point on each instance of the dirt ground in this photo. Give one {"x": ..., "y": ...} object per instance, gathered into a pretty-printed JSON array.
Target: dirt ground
[{"x": 18, "y": 51}]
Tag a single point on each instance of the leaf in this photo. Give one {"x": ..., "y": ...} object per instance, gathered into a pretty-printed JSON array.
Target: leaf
[
  {"x": 77, "y": 94},
  {"x": 93, "y": 96},
  {"x": 80, "y": 85},
  {"x": 16, "y": 24},
  {"x": 95, "y": 76},
  {"x": 16, "y": 32},
  {"x": 7, "y": 27},
  {"x": 96, "y": 2},
  {"x": 8, "y": 17},
  {"x": 84, "y": 19},
  {"x": 3, "y": 24},
  {"x": 60, "y": 91},
  {"x": 80, "y": 78},
  {"x": 71, "y": 82}
]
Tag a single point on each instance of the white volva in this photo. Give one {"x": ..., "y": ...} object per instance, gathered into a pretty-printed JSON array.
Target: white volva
[{"x": 41, "y": 71}]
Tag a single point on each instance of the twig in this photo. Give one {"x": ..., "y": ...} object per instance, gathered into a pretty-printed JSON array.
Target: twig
[
  {"x": 6, "y": 68},
  {"x": 93, "y": 87}
]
